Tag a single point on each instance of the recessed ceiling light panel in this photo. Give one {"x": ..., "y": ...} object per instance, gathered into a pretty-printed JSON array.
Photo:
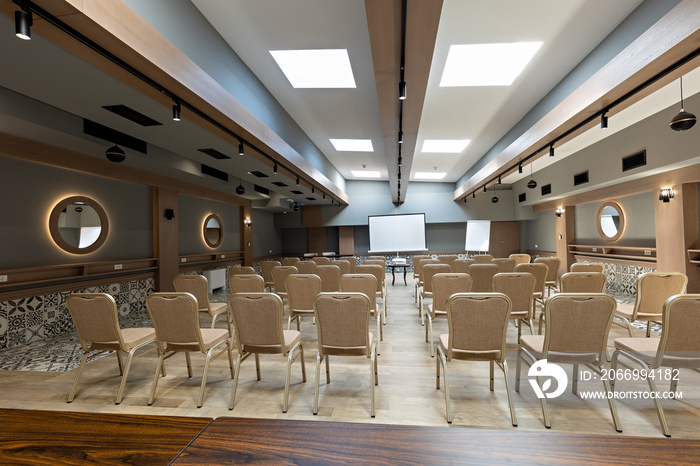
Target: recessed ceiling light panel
[
  {"x": 486, "y": 64},
  {"x": 429, "y": 175},
  {"x": 353, "y": 145},
  {"x": 365, "y": 174},
  {"x": 311, "y": 69},
  {"x": 445, "y": 146}
]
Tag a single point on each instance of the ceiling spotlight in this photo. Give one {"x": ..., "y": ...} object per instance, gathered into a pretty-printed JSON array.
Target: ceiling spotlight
[
  {"x": 473, "y": 194},
  {"x": 484, "y": 188},
  {"x": 402, "y": 90},
  {"x": 400, "y": 137},
  {"x": 400, "y": 161},
  {"x": 520, "y": 168},
  {"x": 240, "y": 190},
  {"x": 684, "y": 120},
  {"x": 176, "y": 112},
  {"x": 324, "y": 195},
  {"x": 499, "y": 179},
  {"x": 274, "y": 169},
  {"x": 551, "y": 150},
  {"x": 532, "y": 184},
  {"x": 399, "y": 185},
  {"x": 313, "y": 190},
  {"x": 115, "y": 154},
  {"x": 241, "y": 150},
  {"x": 297, "y": 181},
  {"x": 603, "y": 121},
  {"x": 23, "y": 24}
]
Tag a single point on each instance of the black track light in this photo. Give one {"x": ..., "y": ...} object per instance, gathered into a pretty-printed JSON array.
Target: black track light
[
  {"x": 402, "y": 90},
  {"x": 499, "y": 179},
  {"x": 551, "y": 150},
  {"x": 115, "y": 154},
  {"x": 465, "y": 199},
  {"x": 324, "y": 195},
  {"x": 176, "y": 112},
  {"x": 400, "y": 161},
  {"x": 23, "y": 24},
  {"x": 484, "y": 188},
  {"x": 520, "y": 168},
  {"x": 603, "y": 121},
  {"x": 399, "y": 185},
  {"x": 400, "y": 137},
  {"x": 313, "y": 190},
  {"x": 473, "y": 194},
  {"x": 274, "y": 169},
  {"x": 684, "y": 120},
  {"x": 241, "y": 150},
  {"x": 297, "y": 181}
]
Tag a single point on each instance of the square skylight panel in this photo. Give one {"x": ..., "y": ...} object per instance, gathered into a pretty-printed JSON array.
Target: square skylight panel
[
  {"x": 329, "y": 68},
  {"x": 445, "y": 146},
  {"x": 352, "y": 145},
  {"x": 486, "y": 64},
  {"x": 365, "y": 174},
  {"x": 429, "y": 175}
]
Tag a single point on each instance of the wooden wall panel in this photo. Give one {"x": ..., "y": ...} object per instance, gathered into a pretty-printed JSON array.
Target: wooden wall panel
[
  {"x": 318, "y": 240},
  {"x": 165, "y": 238},
  {"x": 346, "y": 240},
  {"x": 311, "y": 216},
  {"x": 505, "y": 239}
]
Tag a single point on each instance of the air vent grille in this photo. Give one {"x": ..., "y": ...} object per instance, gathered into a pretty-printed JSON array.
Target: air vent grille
[
  {"x": 132, "y": 115},
  {"x": 581, "y": 178},
  {"x": 261, "y": 190},
  {"x": 258, "y": 174},
  {"x": 522, "y": 197},
  {"x": 310, "y": 199},
  {"x": 546, "y": 189},
  {"x": 113, "y": 136},
  {"x": 211, "y": 171},
  {"x": 214, "y": 153},
  {"x": 279, "y": 184},
  {"x": 634, "y": 161},
  {"x": 296, "y": 191}
]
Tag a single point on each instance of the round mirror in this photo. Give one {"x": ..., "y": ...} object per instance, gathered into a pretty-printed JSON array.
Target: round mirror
[
  {"x": 78, "y": 225},
  {"x": 213, "y": 231},
  {"x": 611, "y": 221}
]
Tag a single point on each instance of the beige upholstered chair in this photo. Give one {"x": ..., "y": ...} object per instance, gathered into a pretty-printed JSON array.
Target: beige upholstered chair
[
  {"x": 678, "y": 347},
  {"x": 564, "y": 342},
  {"x": 197, "y": 285},
  {"x": 353, "y": 263},
  {"x": 520, "y": 258},
  {"x": 330, "y": 276},
  {"x": 305, "y": 266},
  {"x": 379, "y": 274},
  {"x": 505, "y": 264},
  {"x": 482, "y": 258},
  {"x": 462, "y": 265},
  {"x": 279, "y": 276},
  {"x": 587, "y": 267},
  {"x": 579, "y": 282},
  {"x": 482, "y": 277},
  {"x": 552, "y": 279},
  {"x": 419, "y": 285},
  {"x": 301, "y": 291},
  {"x": 246, "y": 283},
  {"x": 540, "y": 273},
  {"x": 320, "y": 260},
  {"x": 444, "y": 285},
  {"x": 266, "y": 270},
  {"x": 240, "y": 270},
  {"x": 416, "y": 273},
  {"x": 342, "y": 320},
  {"x": 653, "y": 289},
  {"x": 345, "y": 266},
  {"x": 175, "y": 318},
  {"x": 377, "y": 258},
  {"x": 426, "y": 292},
  {"x": 257, "y": 318},
  {"x": 287, "y": 261},
  {"x": 519, "y": 288},
  {"x": 449, "y": 260},
  {"x": 366, "y": 284},
  {"x": 95, "y": 318},
  {"x": 477, "y": 325}
]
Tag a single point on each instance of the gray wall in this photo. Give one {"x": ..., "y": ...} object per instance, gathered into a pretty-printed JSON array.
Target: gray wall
[
  {"x": 539, "y": 234},
  {"x": 441, "y": 237},
  {"x": 30, "y": 191},
  {"x": 267, "y": 240},
  {"x": 190, "y": 220},
  {"x": 295, "y": 241}
]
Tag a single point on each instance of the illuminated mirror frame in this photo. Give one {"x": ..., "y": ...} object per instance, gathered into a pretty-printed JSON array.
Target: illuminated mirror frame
[
  {"x": 221, "y": 231},
  {"x": 616, "y": 205},
  {"x": 56, "y": 234}
]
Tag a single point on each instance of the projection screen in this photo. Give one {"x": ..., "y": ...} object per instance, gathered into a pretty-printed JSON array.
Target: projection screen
[{"x": 396, "y": 233}]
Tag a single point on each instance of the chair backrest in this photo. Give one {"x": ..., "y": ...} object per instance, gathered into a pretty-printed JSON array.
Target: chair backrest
[
  {"x": 279, "y": 276},
  {"x": 301, "y": 291},
  {"x": 196, "y": 285},
  {"x": 482, "y": 277},
  {"x": 449, "y": 260},
  {"x": 519, "y": 288},
  {"x": 552, "y": 267},
  {"x": 320, "y": 260},
  {"x": 375, "y": 270},
  {"x": 428, "y": 271},
  {"x": 257, "y": 318},
  {"x": 462, "y": 265},
  {"x": 416, "y": 267},
  {"x": 482, "y": 258},
  {"x": 342, "y": 321},
  {"x": 377, "y": 258},
  {"x": 175, "y": 318},
  {"x": 538, "y": 270},
  {"x": 266, "y": 269},
  {"x": 364, "y": 283},
  {"x": 345, "y": 266},
  {"x": 478, "y": 323},
  {"x": 287, "y": 261},
  {"x": 520, "y": 258},
  {"x": 330, "y": 276},
  {"x": 246, "y": 283},
  {"x": 95, "y": 318},
  {"x": 587, "y": 267},
  {"x": 654, "y": 288},
  {"x": 679, "y": 334},
  {"x": 582, "y": 282},
  {"x": 445, "y": 285},
  {"x": 378, "y": 262},
  {"x": 577, "y": 326},
  {"x": 305, "y": 266},
  {"x": 353, "y": 263},
  {"x": 240, "y": 270},
  {"x": 505, "y": 264},
  {"x": 422, "y": 263}
]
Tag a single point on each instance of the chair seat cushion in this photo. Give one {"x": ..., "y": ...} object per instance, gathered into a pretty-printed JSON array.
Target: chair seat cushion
[
  {"x": 469, "y": 355},
  {"x": 137, "y": 336},
  {"x": 210, "y": 338},
  {"x": 348, "y": 350},
  {"x": 216, "y": 308},
  {"x": 644, "y": 348},
  {"x": 302, "y": 312},
  {"x": 535, "y": 345},
  {"x": 519, "y": 314}
]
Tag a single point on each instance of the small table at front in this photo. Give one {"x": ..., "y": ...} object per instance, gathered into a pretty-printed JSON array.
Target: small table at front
[{"x": 393, "y": 269}]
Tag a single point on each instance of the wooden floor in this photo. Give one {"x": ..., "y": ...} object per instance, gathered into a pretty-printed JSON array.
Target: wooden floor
[{"x": 405, "y": 396}]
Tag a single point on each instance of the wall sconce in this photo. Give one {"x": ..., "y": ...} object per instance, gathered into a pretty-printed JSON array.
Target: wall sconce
[
  {"x": 666, "y": 194},
  {"x": 247, "y": 222},
  {"x": 558, "y": 212},
  {"x": 169, "y": 214}
]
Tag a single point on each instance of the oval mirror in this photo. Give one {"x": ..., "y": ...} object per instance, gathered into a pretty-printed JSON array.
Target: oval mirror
[
  {"x": 78, "y": 225},
  {"x": 611, "y": 221},
  {"x": 213, "y": 231}
]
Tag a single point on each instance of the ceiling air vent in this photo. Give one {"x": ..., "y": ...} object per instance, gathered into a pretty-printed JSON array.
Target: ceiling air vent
[
  {"x": 214, "y": 153},
  {"x": 280, "y": 184},
  {"x": 581, "y": 178},
  {"x": 261, "y": 190},
  {"x": 211, "y": 171},
  {"x": 132, "y": 115},
  {"x": 296, "y": 191},
  {"x": 113, "y": 136},
  {"x": 522, "y": 197},
  {"x": 546, "y": 189},
  {"x": 310, "y": 199},
  {"x": 634, "y": 161},
  {"x": 258, "y": 174}
]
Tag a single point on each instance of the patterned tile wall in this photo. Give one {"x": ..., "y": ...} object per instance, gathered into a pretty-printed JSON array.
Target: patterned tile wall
[{"x": 27, "y": 320}]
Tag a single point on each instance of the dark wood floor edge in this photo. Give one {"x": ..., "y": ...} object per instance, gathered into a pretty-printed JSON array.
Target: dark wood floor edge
[{"x": 191, "y": 441}]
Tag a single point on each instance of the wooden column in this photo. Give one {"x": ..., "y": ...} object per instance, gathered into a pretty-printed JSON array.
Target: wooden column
[
  {"x": 165, "y": 240},
  {"x": 677, "y": 231},
  {"x": 247, "y": 235},
  {"x": 317, "y": 236},
  {"x": 346, "y": 237},
  {"x": 564, "y": 229}
]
